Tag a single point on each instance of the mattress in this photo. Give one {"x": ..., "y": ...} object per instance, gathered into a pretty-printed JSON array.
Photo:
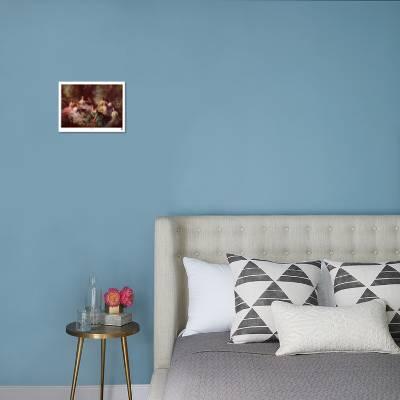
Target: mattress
[{"x": 207, "y": 367}]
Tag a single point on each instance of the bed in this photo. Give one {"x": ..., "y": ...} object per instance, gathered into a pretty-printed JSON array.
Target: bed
[{"x": 207, "y": 367}]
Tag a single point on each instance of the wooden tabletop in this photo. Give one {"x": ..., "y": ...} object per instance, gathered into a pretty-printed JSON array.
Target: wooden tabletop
[{"x": 103, "y": 331}]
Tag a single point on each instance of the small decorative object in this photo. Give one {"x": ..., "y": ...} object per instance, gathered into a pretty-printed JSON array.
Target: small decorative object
[
  {"x": 83, "y": 322},
  {"x": 112, "y": 299},
  {"x": 91, "y": 107},
  {"x": 117, "y": 319},
  {"x": 116, "y": 301},
  {"x": 126, "y": 296},
  {"x": 94, "y": 301}
]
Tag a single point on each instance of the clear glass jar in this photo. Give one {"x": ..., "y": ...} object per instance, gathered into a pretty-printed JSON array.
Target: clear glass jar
[{"x": 83, "y": 322}]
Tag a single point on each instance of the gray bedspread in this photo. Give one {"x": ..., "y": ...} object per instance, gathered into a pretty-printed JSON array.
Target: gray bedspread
[{"x": 206, "y": 367}]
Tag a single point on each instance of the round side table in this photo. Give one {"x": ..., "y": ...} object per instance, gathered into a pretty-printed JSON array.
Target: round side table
[{"x": 103, "y": 333}]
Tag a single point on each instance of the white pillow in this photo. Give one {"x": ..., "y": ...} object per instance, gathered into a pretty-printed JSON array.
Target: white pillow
[
  {"x": 313, "y": 329},
  {"x": 211, "y": 298}
]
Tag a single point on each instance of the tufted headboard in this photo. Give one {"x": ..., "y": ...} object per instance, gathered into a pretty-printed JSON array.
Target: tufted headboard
[{"x": 280, "y": 238}]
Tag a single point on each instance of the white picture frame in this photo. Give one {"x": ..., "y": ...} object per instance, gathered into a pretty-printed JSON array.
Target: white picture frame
[{"x": 90, "y": 114}]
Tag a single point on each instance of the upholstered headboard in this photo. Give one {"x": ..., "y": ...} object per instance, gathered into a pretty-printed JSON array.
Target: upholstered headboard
[{"x": 280, "y": 238}]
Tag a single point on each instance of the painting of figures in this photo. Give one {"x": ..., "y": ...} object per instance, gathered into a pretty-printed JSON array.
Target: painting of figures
[{"x": 92, "y": 107}]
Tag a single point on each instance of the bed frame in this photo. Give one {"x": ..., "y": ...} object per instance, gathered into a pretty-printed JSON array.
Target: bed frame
[{"x": 280, "y": 238}]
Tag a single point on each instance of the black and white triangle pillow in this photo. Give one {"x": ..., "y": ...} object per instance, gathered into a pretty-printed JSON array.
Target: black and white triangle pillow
[
  {"x": 355, "y": 283},
  {"x": 258, "y": 283}
]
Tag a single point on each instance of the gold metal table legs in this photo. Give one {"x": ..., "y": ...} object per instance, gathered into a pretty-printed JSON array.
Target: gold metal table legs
[
  {"x": 78, "y": 356},
  {"x": 126, "y": 365},
  {"x": 79, "y": 347},
  {"x": 103, "y": 363}
]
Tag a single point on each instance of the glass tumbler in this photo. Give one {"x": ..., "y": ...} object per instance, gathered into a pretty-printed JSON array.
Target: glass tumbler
[
  {"x": 96, "y": 317},
  {"x": 83, "y": 322}
]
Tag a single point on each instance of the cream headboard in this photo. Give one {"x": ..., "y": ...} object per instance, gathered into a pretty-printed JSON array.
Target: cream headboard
[{"x": 280, "y": 238}]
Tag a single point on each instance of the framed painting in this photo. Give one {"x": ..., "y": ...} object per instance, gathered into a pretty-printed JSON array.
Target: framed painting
[{"x": 91, "y": 107}]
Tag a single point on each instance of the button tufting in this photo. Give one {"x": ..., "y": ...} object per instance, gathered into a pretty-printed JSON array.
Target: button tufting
[
  {"x": 198, "y": 230},
  {"x": 330, "y": 228},
  {"x": 353, "y": 228},
  {"x": 309, "y": 252},
  {"x": 219, "y": 229},
  {"x": 330, "y": 252},
  {"x": 397, "y": 251},
  {"x": 375, "y": 252},
  {"x": 196, "y": 253},
  {"x": 265, "y": 253},
  {"x": 396, "y": 228},
  {"x": 286, "y": 253},
  {"x": 374, "y": 228},
  {"x": 178, "y": 256},
  {"x": 241, "y": 229},
  {"x": 286, "y": 228},
  {"x": 353, "y": 253}
]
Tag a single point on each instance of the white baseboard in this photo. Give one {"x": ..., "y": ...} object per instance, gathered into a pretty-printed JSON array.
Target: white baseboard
[{"x": 111, "y": 392}]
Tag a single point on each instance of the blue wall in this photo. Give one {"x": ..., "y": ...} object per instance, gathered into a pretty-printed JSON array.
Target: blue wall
[{"x": 232, "y": 107}]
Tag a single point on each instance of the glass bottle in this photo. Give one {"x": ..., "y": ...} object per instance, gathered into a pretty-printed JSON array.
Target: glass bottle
[{"x": 94, "y": 301}]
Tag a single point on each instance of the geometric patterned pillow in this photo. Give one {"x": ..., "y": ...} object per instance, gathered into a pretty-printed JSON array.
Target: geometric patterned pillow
[
  {"x": 355, "y": 283},
  {"x": 258, "y": 283}
]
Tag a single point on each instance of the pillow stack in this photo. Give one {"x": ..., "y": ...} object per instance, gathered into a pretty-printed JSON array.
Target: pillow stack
[{"x": 259, "y": 299}]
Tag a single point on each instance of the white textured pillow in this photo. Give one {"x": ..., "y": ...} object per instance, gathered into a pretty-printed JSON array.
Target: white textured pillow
[
  {"x": 211, "y": 298},
  {"x": 314, "y": 329}
]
